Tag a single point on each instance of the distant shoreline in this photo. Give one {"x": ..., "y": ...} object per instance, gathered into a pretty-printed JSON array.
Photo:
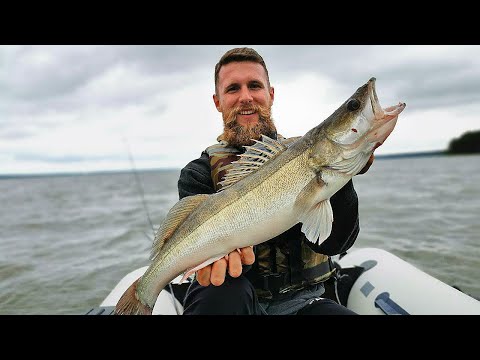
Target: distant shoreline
[
  {"x": 126, "y": 171},
  {"x": 413, "y": 154}
]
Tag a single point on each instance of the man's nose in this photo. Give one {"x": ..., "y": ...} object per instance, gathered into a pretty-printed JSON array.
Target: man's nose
[{"x": 245, "y": 96}]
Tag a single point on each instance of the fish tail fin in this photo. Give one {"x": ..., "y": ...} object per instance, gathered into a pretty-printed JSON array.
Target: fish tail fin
[{"x": 130, "y": 304}]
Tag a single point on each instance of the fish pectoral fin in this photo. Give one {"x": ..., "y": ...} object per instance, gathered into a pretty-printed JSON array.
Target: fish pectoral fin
[
  {"x": 317, "y": 222},
  {"x": 175, "y": 217},
  {"x": 351, "y": 164},
  {"x": 190, "y": 271},
  {"x": 317, "y": 219}
]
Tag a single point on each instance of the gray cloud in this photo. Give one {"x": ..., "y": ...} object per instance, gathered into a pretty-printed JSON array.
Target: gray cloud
[
  {"x": 16, "y": 134},
  {"x": 44, "y": 87},
  {"x": 40, "y": 79},
  {"x": 422, "y": 81},
  {"x": 38, "y": 72},
  {"x": 155, "y": 59}
]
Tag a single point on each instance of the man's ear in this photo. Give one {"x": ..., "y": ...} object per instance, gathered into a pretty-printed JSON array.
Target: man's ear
[
  {"x": 216, "y": 101},
  {"x": 272, "y": 94}
]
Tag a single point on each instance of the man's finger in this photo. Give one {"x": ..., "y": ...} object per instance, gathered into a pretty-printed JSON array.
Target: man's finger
[
  {"x": 219, "y": 268},
  {"x": 234, "y": 264},
  {"x": 203, "y": 275},
  {"x": 248, "y": 256}
]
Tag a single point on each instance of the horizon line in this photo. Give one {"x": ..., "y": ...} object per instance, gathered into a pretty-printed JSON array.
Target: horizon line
[{"x": 127, "y": 170}]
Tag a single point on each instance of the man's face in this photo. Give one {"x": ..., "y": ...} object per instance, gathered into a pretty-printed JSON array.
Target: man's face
[{"x": 245, "y": 101}]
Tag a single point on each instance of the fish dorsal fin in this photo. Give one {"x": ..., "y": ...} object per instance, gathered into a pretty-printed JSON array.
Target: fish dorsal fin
[
  {"x": 175, "y": 217},
  {"x": 254, "y": 158}
]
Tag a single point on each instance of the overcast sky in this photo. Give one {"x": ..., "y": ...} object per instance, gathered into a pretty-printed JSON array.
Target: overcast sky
[{"x": 85, "y": 108}]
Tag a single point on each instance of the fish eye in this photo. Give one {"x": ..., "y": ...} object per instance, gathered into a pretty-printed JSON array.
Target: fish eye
[{"x": 353, "y": 104}]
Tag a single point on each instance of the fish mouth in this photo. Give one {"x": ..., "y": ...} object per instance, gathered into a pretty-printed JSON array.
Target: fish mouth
[
  {"x": 384, "y": 114},
  {"x": 385, "y": 119}
]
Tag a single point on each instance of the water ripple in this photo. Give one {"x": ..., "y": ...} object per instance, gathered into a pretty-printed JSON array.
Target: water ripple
[{"x": 66, "y": 241}]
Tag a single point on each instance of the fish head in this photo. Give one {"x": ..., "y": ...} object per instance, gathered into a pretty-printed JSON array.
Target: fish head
[
  {"x": 356, "y": 129},
  {"x": 361, "y": 119}
]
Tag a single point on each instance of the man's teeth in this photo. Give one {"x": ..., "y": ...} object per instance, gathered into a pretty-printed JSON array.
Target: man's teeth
[{"x": 247, "y": 112}]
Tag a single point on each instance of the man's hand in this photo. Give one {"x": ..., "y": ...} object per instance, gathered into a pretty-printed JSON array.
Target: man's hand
[
  {"x": 215, "y": 273},
  {"x": 367, "y": 165}
]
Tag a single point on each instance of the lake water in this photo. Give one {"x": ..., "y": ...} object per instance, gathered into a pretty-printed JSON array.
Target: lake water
[{"x": 67, "y": 240}]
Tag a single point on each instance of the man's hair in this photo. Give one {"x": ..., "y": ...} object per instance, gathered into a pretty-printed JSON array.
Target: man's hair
[{"x": 239, "y": 54}]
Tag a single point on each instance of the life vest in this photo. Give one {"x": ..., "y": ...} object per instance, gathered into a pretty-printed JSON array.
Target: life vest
[{"x": 284, "y": 263}]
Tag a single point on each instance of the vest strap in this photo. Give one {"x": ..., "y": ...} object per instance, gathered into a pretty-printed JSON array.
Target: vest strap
[{"x": 273, "y": 282}]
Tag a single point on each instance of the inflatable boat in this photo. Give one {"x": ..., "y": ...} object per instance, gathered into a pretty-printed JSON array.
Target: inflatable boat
[{"x": 370, "y": 281}]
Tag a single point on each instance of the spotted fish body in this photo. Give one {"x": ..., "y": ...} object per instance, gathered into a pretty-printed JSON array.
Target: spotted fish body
[{"x": 272, "y": 187}]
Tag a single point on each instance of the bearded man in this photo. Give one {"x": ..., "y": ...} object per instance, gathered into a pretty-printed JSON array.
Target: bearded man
[{"x": 285, "y": 275}]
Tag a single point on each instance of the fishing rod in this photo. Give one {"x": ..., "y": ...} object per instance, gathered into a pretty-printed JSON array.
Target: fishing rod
[
  {"x": 145, "y": 208},
  {"x": 139, "y": 187}
]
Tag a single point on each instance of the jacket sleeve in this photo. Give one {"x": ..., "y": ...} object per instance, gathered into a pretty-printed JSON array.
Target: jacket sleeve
[
  {"x": 195, "y": 178},
  {"x": 345, "y": 227}
]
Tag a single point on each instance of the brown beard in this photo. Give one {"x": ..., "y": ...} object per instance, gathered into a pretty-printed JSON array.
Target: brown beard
[{"x": 236, "y": 135}]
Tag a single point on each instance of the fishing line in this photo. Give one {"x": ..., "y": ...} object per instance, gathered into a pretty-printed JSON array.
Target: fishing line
[
  {"x": 142, "y": 195},
  {"x": 139, "y": 186},
  {"x": 177, "y": 310}
]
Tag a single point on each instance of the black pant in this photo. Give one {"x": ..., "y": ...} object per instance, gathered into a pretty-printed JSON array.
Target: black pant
[{"x": 236, "y": 296}]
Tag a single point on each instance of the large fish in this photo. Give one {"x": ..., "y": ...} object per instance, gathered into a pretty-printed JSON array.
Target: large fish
[{"x": 272, "y": 187}]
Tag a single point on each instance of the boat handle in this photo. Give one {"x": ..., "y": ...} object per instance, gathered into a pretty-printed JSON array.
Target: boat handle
[{"x": 388, "y": 306}]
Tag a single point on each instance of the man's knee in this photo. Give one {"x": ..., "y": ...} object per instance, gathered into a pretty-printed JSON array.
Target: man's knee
[
  {"x": 236, "y": 296},
  {"x": 324, "y": 306}
]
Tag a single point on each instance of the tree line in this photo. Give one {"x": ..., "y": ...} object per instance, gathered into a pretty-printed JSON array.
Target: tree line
[{"x": 467, "y": 143}]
